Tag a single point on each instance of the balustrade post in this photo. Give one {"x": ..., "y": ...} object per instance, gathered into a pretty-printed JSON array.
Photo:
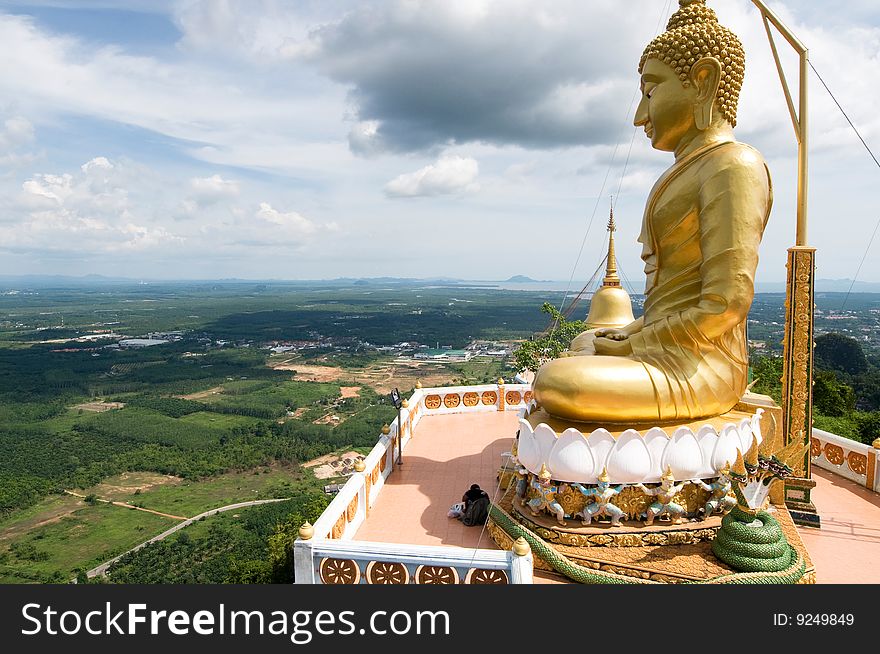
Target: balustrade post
[
  {"x": 303, "y": 565},
  {"x": 522, "y": 562}
]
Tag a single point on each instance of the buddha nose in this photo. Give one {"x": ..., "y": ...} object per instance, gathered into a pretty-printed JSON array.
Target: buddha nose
[{"x": 641, "y": 117}]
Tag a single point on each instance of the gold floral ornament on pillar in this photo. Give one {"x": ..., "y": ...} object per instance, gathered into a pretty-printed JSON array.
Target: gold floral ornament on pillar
[{"x": 686, "y": 358}]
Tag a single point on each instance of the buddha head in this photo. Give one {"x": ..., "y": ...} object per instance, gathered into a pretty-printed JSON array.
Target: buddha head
[{"x": 691, "y": 77}]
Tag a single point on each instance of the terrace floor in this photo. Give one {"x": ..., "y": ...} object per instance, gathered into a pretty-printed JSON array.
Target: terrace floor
[{"x": 451, "y": 452}]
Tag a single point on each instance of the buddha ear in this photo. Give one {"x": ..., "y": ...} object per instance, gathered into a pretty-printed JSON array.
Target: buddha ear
[{"x": 706, "y": 77}]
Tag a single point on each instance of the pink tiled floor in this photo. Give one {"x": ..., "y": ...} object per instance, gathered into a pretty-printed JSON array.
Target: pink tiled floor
[
  {"x": 846, "y": 550},
  {"x": 447, "y": 455}
]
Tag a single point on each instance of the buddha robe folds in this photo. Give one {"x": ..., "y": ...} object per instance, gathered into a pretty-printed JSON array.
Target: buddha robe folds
[{"x": 702, "y": 228}]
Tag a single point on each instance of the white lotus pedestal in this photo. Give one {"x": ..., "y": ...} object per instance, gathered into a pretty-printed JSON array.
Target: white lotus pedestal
[
  {"x": 665, "y": 552},
  {"x": 578, "y": 453}
]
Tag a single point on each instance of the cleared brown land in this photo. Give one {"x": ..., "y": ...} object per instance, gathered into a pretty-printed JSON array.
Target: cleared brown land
[
  {"x": 201, "y": 395},
  {"x": 380, "y": 377},
  {"x": 323, "y": 467},
  {"x": 124, "y": 485},
  {"x": 349, "y": 391},
  {"x": 99, "y": 407}
]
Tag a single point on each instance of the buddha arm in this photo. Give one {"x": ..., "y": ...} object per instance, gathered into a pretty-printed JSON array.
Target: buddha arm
[{"x": 734, "y": 202}]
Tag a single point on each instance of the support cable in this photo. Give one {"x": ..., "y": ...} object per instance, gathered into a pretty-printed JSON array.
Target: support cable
[
  {"x": 870, "y": 152},
  {"x": 663, "y": 14}
]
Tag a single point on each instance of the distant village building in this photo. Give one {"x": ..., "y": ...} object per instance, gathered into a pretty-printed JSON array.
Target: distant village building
[
  {"x": 141, "y": 342},
  {"x": 443, "y": 355}
]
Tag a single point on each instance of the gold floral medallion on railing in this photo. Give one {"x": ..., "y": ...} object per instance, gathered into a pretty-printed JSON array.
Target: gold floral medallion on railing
[
  {"x": 339, "y": 571},
  {"x": 834, "y": 454},
  {"x": 858, "y": 463},
  {"x": 383, "y": 461},
  {"x": 451, "y": 400},
  {"x": 527, "y": 397},
  {"x": 338, "y": 528},
  {"x": 435, "y": 575},
  {"x": 471, "y": 399},
  {"x": 432, "y": 402},
  {"x": 513, "y": 397},
  {"x": 383, "y": 572},
  {"x": 351, "y": 510},
  {"x": 376, "y": 471},
  {"x": 489, "y": 398},
  {"x": 482, "y": 576},
  {"x": 815, "y": 447}
]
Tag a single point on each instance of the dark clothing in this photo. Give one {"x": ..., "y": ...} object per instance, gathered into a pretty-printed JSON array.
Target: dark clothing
[
  {"x": 473, "y": 494},
  {"x": 477, "y": 511}
]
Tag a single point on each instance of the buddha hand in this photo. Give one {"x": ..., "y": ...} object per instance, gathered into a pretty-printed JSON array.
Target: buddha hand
[
  {"x": 612, "y": 334},
  {"x": 616, "y": 348}
]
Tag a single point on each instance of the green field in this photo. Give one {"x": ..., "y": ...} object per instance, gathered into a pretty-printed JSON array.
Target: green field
[
  {"x": 60, "y": 534},
  {"x": 80, "y": 540},
  {"x": 189, "y": 498}
]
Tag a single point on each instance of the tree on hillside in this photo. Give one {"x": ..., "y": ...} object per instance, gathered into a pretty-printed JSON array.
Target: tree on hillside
[
  {"x": 832, "y": 397},
  {"x": 840, "y": 353},
  {"x": 767, "y": 376},
  {"x": 532, "y": 354}
]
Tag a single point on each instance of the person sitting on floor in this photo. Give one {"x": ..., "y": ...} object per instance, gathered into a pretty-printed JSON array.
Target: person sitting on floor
[{"x": 476, "y": 502}]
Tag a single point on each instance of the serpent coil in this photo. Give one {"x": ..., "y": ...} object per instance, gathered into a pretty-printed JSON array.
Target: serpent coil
[{"x": 790, "y": 573}]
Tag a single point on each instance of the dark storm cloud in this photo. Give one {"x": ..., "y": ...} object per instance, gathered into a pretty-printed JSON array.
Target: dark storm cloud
[{"x": 533, "y": 74}]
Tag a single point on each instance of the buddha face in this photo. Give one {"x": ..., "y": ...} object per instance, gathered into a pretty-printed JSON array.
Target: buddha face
[{"x": 666, "y": 110}]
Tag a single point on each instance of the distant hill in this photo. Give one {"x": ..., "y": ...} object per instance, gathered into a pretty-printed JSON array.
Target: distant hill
[
  {"x": 48, "y": 281},
  {"x": 521, "y": 279}
]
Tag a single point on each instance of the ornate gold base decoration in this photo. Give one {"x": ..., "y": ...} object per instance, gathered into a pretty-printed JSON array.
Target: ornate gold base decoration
[
  {"x": 799, "y": 502},
  {"x": 602, "y": 534},
  {"x": 686, "y": 563}
]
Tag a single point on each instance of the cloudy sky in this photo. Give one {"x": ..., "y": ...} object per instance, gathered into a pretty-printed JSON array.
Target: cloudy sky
[{"x": 304, "y": 139}]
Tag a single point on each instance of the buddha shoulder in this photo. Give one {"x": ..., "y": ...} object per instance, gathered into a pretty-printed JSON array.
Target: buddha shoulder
[{"x": 734, "y": 156}]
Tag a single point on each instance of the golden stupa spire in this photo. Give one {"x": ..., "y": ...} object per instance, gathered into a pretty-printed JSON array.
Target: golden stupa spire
[
  {"x": 611, "y": 305},
  {"x": 611, "y": 276}
]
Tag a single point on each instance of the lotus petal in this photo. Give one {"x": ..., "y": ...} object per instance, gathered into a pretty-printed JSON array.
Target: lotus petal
[
  {"x": 546, "y": 439},
  {"x": 601, "y": 443},
  {"x": 744, "y": 430},
  {"x": 683, "y": 455},
  {"x": 756, "y": 425},
  {"x": 727, "y": 448},
  {"x": 630, "y": 460},
  {"x": 571, "y": 458},
  {"x": 528, "y": 451},
  {"x": 656, "y": 441},
  {"x": 707, "y": 437}
]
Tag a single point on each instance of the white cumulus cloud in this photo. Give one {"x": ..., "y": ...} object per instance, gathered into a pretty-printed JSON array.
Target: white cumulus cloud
[{"x": 450, "y": 175}]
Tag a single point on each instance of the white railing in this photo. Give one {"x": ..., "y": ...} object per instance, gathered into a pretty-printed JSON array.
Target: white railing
[
  {"x": 323, "y": 561},
  {"x": 351, "y": 506},
  {"x": 848, "y": 458}
]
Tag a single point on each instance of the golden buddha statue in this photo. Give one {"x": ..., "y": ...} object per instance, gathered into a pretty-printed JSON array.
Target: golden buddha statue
[{"x": 686, "y": 358}]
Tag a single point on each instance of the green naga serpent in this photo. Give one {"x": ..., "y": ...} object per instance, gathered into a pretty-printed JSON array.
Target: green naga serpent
[{"x": 750, "y": 539}]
